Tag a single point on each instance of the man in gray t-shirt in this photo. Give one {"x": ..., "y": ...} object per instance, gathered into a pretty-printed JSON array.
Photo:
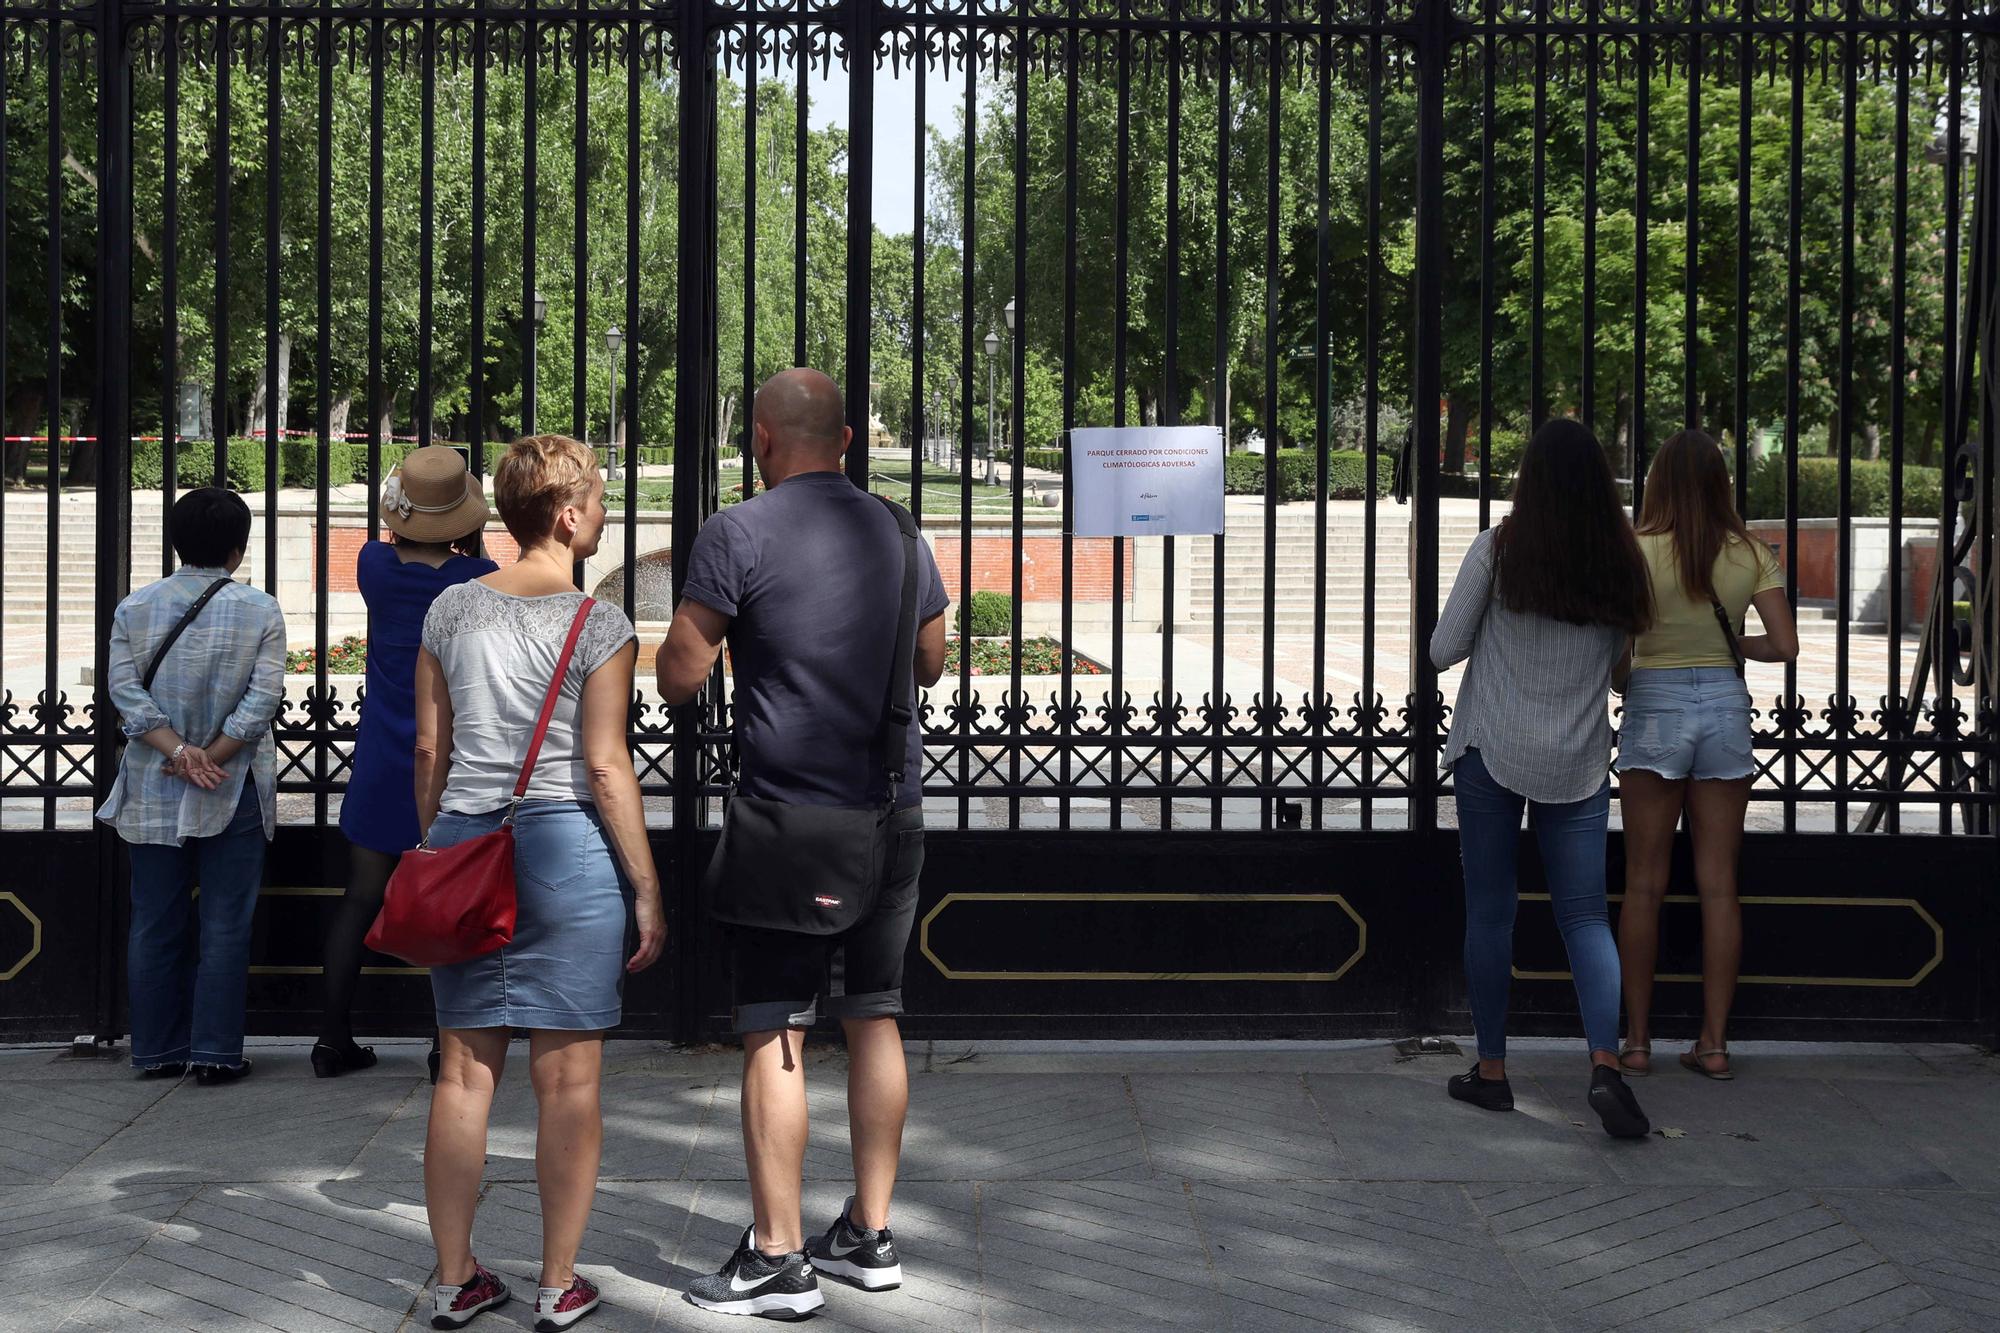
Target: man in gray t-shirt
[{"x": 804, "y": 583}]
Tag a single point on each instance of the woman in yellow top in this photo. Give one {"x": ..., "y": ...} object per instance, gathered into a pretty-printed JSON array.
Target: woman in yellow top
[{"x": 1685, "y": 740}]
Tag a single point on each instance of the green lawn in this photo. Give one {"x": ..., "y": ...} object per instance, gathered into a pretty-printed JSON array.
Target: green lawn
[
  {"x": 941, "y": 486},
  {"x": 653, "y": 495}
]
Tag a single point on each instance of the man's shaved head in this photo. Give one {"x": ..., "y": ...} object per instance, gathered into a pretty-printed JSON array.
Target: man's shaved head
[{"x": 800, "y": 411}]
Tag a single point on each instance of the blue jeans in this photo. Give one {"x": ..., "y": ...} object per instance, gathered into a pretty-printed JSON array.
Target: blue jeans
[
  {"x": 187, "y": 986},
  {"x": 1572, "y": 844}
]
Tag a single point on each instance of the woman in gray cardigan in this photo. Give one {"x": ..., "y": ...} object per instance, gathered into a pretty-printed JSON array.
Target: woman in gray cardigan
[{"x": 1544, "y": 607}]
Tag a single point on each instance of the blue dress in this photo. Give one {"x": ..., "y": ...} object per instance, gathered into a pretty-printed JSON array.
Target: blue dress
[{"x": 380, "y": 811}]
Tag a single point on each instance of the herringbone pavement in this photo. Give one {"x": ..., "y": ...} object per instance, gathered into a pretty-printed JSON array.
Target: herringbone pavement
[{"x": 1056, "y": 1188}]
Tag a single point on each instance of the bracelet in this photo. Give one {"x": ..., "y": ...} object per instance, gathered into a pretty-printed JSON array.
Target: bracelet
[{"x": 175, "y": 757}]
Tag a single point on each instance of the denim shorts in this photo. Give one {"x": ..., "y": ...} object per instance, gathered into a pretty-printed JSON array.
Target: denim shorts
[
  {"x": 564, "y": 969},
  {"x": 1687, "y": 722}
]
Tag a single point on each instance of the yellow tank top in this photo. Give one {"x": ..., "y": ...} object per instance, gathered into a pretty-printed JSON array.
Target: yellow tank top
[{"x": 1684, "y": 632}]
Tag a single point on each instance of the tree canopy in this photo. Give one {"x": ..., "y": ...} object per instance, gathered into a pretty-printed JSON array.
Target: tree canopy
[{"x": 1245, "y": 259}]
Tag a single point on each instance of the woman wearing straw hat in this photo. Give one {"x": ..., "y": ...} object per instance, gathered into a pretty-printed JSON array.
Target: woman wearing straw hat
[{"x": 435, "y": 508}]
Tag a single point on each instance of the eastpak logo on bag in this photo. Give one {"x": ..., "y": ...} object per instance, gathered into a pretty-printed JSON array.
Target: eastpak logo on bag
[{"x": 826, "y": 900}]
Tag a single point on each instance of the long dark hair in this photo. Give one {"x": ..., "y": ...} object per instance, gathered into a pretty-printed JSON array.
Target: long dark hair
[
  {"x": 1688, "y": 500},
  {"x": 1567, "y": 550},
  {"x": 471, "y": 543}
]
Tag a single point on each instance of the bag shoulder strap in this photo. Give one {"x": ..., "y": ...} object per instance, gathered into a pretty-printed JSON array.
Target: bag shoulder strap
[
  {"x": 180, "y": 627},
  {"x": 555, "y": 692},
  {"x": 1728, "y": 632},
  {"x": 896, "y": 714}
]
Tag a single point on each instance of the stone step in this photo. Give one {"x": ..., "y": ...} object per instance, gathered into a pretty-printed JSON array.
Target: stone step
[
  {"x": 20, "y": 621},
  {"x": 1354, "y": 583}
]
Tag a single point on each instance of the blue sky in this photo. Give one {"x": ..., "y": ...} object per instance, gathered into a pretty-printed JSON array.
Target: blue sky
[{"x": 895, "y": 127}]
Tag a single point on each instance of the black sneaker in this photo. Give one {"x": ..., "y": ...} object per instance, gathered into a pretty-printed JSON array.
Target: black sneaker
[
  {"x": 1616, "y": 1106},
  {"x": 750, "y": 1283},
  {"x": 863, "y": 1257},
  {"x": 1488, "y": 1094}
]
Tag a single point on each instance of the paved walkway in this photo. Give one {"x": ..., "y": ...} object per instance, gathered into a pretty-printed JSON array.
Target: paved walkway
[{"x": 1055, "y": 1188}]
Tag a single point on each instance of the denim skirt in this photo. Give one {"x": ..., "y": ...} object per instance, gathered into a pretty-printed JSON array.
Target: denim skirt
[
  {"x": 565, "y": 967},
  {"x": 1687, "y": 722}
]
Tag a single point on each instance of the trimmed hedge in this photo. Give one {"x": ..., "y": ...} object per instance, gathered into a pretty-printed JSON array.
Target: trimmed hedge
[
  {"x": 1819, "y": 489},
  {"x": 298, "y": 462},
  {"x": 987, "y": 615},
  {"x": 1346, "y": 474},
  {"x": 1048, "y": 460},
  {"x": 662, "y": 455}
]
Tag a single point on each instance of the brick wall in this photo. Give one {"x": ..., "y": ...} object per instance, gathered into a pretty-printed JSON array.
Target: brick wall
[
  {"x": 1920, "y": 560},
  {"x": 1817, "y": 560},
  {"x": 1041, "y": 567},
  {"x": 344, "y": 548}
]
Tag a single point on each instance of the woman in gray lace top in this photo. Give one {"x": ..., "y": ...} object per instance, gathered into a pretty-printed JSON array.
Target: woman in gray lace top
[{"x": 490, "y": 648}]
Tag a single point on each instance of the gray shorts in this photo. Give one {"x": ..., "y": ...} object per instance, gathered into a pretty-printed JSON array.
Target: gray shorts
[
  {"x": 1687, "y": 722},
  {"x": 779, "y": 977}
]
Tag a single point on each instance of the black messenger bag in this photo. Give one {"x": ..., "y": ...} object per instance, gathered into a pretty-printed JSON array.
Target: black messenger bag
[{"x": 816, "y": 869}]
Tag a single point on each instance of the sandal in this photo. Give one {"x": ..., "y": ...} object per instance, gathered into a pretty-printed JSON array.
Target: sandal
[
  {"x": 1693, "y": 1061},
  {"x": 1630, "y": 1070}
]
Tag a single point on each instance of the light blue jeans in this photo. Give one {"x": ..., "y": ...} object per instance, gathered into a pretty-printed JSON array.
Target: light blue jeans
[{"x": 1572, "y": 840}]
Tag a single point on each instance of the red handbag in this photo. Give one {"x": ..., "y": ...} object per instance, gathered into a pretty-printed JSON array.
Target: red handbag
[{"x": 457, "y": 903}]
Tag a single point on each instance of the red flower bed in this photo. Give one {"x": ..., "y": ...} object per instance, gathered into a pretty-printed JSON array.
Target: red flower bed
[
  {"x": 1039, "y": 657},
  {"x": 349, "y": 657}
]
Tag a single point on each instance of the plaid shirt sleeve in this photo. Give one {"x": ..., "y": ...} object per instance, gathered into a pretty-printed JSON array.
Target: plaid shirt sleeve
[
  {"x": 138, "y": 711},
  {"x": 252, "y": 717}
]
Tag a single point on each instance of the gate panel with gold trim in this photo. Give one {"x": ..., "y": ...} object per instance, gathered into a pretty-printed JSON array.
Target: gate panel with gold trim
[{"x": 1846, "y": 937}]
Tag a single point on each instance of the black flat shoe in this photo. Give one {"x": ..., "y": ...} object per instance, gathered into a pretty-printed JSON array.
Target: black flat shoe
[
  {"x": 1616, "y": 1106},
  {"x": 164, "y": 1071},
  {"x": 330, "y": 1061},
  {"x": 214, "y": 1076},
  {"x": 1488, "y": 1094},
  {"x": 436, "y": 1061}
]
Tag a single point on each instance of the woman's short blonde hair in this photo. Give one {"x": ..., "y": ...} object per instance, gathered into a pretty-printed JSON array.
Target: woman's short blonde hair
[{"x": 537, "y": 479}]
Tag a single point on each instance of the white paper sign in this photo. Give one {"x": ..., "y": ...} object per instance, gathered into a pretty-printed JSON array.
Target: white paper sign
[{"x": 1140, "y": 481}]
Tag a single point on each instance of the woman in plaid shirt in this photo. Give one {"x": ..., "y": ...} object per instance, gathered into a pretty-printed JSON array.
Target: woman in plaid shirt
[{"x": 194, "y": 798}]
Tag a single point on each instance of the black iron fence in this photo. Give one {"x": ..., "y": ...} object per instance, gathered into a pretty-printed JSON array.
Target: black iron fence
[{"x": 273, "y": 245}]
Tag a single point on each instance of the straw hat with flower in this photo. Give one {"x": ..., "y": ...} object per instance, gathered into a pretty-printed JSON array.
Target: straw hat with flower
[{"x": 433, "y": 497}]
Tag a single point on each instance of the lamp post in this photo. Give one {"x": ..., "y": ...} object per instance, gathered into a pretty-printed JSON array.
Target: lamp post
[
  {"x": 947, "y": 445},
  {"x": 613, "y": 340},
  {"x": 992, "y": 364},
  {"x": 536, "y": 316},
  {"x": 192, "y": 418},
  {"x": 954, "y": 442},
  {"x": 1009, "y": 312}
]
